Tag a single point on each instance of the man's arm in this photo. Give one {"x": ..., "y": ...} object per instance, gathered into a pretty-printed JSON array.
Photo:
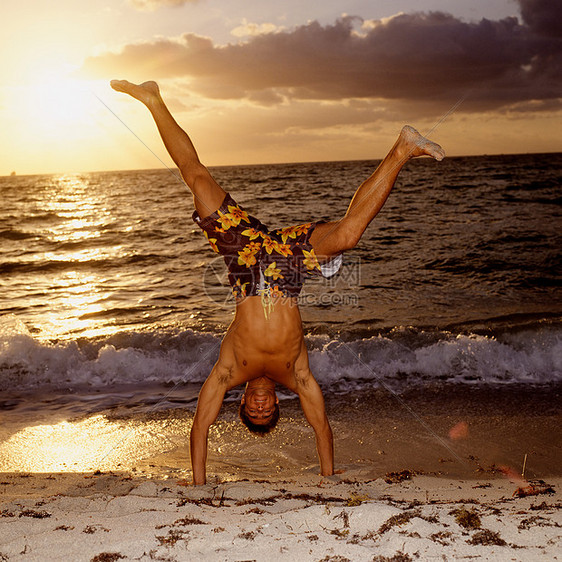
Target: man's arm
[
  {"x": 208, "y": 408},
  {"x": 312, "y": 403}
]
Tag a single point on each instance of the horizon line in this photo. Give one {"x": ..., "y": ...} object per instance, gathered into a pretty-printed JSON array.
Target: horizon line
[{"x": 256, "y": 164}]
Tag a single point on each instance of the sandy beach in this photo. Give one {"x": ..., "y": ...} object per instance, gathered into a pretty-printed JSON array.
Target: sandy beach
[
  {"x": 401, "y": 517},
  {"x": 454, "y": 492}
]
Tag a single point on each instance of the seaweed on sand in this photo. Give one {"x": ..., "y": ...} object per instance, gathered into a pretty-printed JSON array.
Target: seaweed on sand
[
  {"x": 485, "y": 537},
  {"x": 107, "y": 557},
  {"x": 397, "y": 477},
  {"x": 399, "y": 519},
  {"x": 467, "y": 519}
]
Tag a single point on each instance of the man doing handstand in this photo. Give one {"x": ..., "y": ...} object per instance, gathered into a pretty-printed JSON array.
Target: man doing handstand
[{"x": 264, "y": 345}]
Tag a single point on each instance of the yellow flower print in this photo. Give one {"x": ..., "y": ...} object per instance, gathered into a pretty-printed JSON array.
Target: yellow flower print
[
  {"x": 302, "y": 228},
  {"x": 283, "y": 249},
  {"x": 269, "y": 244},
  {"x": 247, "y": 256},
  {"x": 254, "y": 246},
  {"x": 252, "y": 233},
  {"x": 293, "y": 231},
  {"x": 276, "y": 291},
  {"x": 238, "y": 214},
  {"x": 239, "y": 288},
  {"x": 273, "y": 271},
  {"x": 212, "y": 242},
  {"x": 227, "y": 220},
  {"x": 289, "y": 232},
  {"x": 310, "y": 261}
]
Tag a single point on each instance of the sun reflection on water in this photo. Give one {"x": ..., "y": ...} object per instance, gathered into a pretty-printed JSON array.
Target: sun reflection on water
[
  {"x": 80, "y": 270},
  {"x": 94, "y": 443},
  {"x": 80, "y": 290}
]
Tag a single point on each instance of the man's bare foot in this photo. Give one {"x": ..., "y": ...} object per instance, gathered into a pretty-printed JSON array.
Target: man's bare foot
[
  {"x": 411, "y": 145},
  {"x": 147, "y": 92}
]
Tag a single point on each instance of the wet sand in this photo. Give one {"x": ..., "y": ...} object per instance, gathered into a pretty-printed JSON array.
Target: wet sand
[{"x": 453, "y": 431}]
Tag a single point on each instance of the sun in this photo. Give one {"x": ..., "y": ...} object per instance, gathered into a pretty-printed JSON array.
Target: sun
[{"x": 56, "y": 107}]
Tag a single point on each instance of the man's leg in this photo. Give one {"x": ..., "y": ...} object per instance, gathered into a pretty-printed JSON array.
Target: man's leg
[
  {"x": 332, "y": 238},
  {"x": 207, "y": 194}
]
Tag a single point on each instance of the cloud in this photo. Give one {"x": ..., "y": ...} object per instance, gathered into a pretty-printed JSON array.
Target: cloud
[
  {"x": 420, "y": 57},
  {"x": 542, "y": 16},
  {"x": 248, "y": 29},
  {"x": 152, "y": 5}
]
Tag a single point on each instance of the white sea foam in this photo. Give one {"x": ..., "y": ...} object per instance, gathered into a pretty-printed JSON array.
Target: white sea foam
[
  {"x": 526, "y": 357},
  {"x": 533, "y": 356}
]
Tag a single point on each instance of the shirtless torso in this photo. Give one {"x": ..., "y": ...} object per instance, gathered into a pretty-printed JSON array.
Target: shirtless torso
[{"x": 262, "y": 351}]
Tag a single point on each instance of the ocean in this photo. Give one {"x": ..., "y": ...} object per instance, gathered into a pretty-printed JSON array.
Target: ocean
[{"x": 113, "y": 304}]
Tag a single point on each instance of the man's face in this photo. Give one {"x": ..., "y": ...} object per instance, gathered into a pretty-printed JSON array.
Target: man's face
[{"x": 259, "y": 404}]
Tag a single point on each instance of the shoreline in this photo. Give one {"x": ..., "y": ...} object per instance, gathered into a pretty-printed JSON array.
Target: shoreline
[
  {"x": 452, "y": 431},
  {"x": 118, "y": 516}
]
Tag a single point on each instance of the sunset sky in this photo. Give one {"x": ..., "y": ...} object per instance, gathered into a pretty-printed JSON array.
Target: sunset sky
[{"x": 257, "y": 81}]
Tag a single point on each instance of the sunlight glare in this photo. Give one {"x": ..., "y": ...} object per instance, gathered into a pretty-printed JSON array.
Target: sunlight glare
[
  {"x": 57, "y": 107},
  {"x": 81, "y": 445}
]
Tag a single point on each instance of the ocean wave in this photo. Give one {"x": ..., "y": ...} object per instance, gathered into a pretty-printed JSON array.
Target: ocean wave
[
  {"x": 46, "y": 216},
  {"x": 526, "y": 357},
  {"x": 398, "y": 360},
  {"x": 98, "y": 264},
  {"x": 51, "y": 266},
  {"x": 27, "y": 363},
  {"x": 15, "y": 234}
]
